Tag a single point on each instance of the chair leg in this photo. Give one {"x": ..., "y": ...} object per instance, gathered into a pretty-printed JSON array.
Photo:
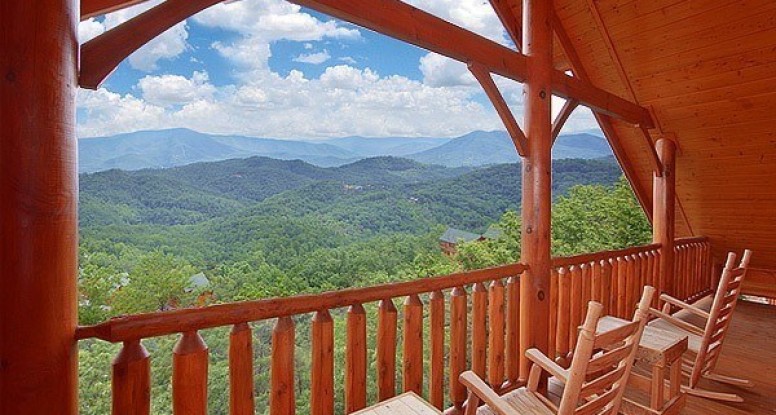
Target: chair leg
[
  {"x": 718, "y": 396},
  {"x": 729, "y": 380},
  {"x": 472, "y": 403}
]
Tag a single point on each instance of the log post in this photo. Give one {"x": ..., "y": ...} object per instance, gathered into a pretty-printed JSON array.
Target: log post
[
  {"x": 664, "y": 211},
  {"x": 537, "y": 179},
  {"x": 38, "y": 219}
]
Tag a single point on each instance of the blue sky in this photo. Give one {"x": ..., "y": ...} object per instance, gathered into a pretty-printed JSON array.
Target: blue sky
[{"x": 272, "y": 69}]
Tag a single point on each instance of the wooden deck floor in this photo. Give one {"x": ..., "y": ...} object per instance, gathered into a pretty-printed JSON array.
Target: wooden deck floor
[{"x": 749, "y": 352}]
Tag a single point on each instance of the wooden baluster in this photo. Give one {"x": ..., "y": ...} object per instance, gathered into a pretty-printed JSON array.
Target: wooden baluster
[
  {"x": 631, "y": 280},
  {"x": 606, "y": 286},
  {"x": 436, "y": 384},
  {"x": 241, "y": 370},
  {"x": 412, "y": 369},
  {"x": 685, "y": 274},
  {"x": 564, "y": 313},
  {"x": 587, "y": 284},
  {"x": 386, "y": 349},
  {"x": 677, "y": 273},
  {"x": 189, "y": 375},
  {"x": 553, "y": 326},
  {"x": 322, "y": 365},
  {"x": 622, "y": 286},
  {"x": 615, "y": 287},
  {"x": 281, "y": 399},
  {"x": 479, "y": 330},
  {"x": 657, "y": 278},
  {"x": 457, "y": 346},
  {"x": 596, "y": 281},
  {"x": 355, "y": 360},
  {"x": 496, "y": 315},
  {"x": 513, "y": 330},
  {"x": 131, "y": 380},
  {"x": 575, "y": 273},
  {"x": 643, "y": 264}
]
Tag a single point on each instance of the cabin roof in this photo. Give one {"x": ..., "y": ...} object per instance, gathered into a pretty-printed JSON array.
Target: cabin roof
[
  {"x": 707, "y": 71},
  {"x": 454, "y": 236}
]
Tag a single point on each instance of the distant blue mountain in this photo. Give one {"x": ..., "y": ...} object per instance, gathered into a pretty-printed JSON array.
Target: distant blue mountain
[
  {"x": 178, "y": 147},
  {"x": 481, "y": 148},
  {"x": 387, "y": 146}
]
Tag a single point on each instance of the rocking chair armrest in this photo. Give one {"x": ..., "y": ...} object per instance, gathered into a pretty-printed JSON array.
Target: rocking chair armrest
[
  {"x": 541, "y": 360},
  {"x": 681, "y": 304},
  {"x": 478, "y": 387},
  {"x": 676, "y": 322}
]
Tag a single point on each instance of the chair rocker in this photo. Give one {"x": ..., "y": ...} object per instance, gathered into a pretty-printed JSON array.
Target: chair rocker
[
  {"x": 594, "y": 384},
  {"x": 706, "y": 324}
]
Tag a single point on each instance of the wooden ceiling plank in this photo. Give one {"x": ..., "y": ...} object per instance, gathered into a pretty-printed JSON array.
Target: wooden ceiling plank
[
  {"x": 101, "y": 55},
  {"x": 93, "y": 8},
  {"x": 482, "y": 75},
  {"x": 568, "y": 108},
  {"x": 510, "y": 14}
]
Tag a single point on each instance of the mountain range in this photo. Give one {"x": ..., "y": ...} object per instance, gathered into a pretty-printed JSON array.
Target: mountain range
[{"x": 178, "y": 147}]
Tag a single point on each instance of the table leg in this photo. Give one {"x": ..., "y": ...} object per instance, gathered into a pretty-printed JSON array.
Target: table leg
[
  {"x": 656, "y": 395},
  {"x": 676, "y": 378}
]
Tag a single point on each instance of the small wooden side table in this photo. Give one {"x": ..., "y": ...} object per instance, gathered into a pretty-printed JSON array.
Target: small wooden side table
[
  {"x": 659, "y": 351},
  {"x": 405, "y": 404}
]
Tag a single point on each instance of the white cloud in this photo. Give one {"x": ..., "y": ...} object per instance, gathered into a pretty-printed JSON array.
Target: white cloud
[
  {"x": 439, "y": 70},
  {"x": 347, "y": 59},
  {"x": 313, "y": 58},
  {"x": 475, "y": 15},
  {"x": 168, "y": 90},
  {"x": 89, "y": 29},
  {"x": 168, "y": 45}
]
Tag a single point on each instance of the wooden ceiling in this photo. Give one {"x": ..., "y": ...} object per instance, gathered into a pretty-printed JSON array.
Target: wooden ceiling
[{"x": 707, "y": 69}]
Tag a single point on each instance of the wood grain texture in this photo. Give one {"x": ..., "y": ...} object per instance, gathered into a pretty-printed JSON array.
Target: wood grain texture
[
  {"x": 131, "y": 381},
  {"x": 241, "y": 370},
  {"x": 457, "y": 345},
  {"x": 322, "y": 367},
  {"x": 282, "y": 399},
  {"x": 496, "y": 333},
  {"x": 355, "y": 359},
  {"x": 412, "y": 367},
  {"x": 479, "y": 329},
  {"x": 189, "y": 375},
  {"x": 386, "y": 349},
  {"x": 38, "y": 208},
  {"x": 513, "y": 330},
  {"x": 437, "y": 324}
]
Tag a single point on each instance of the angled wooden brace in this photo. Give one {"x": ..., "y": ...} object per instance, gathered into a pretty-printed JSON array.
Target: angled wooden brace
[
  {"x": 483, "y": 76},
  {"x": 563, "y": 116},
  {"x": 101, "y": 55}
]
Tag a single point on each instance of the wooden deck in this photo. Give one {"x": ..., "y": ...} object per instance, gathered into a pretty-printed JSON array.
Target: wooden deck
[{"x": 749, "y": 352}]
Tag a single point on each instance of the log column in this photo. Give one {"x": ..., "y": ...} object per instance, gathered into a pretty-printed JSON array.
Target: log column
[
  {"x": 38, "y": 196},
  {"x": 664, "y": 212},
  {"x": 537, "y": 179}
]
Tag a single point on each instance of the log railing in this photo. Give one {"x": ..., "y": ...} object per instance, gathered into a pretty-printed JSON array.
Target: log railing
[
  {"x": 444, "y": 326},
  {"x": 479, "y": 310},
  {"x": 693, "y": 268}
]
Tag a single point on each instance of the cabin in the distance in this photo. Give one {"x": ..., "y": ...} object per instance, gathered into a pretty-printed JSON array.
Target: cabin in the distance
[{"x": 683, "y": 90}]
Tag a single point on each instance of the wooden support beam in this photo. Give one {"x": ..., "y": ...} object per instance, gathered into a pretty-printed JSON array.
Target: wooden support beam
[
  {"x": 537, "y": 180},
  {"x": 482, "y": 75},
  {"x": 510, "y": 13},
  {"x": 101, "y": 55},
  {"x": 568, "y": 108},
  {"x": 604, "y": 121},
  {"x": 93, "y": 8},
  {"x": 38, "y": 208},
  {"x": 657, "y": 166},
  {"x": 401, "y": 21},
  {"x": 664, "y": 199}
]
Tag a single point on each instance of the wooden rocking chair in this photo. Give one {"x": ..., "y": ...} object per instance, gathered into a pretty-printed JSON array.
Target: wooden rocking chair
[
  {"x": 594, "y": 384},
  {"x": 706, "y": 324}
]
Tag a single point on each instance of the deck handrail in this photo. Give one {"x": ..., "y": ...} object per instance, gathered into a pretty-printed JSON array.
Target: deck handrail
[
  {"x": 141, "y": 326},
  {"x": 563, "y": 261}
]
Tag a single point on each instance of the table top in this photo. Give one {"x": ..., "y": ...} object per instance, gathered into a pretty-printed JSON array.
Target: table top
[
  {"x": 657, "y": 347},
  {"x": 405, "y": 404}
]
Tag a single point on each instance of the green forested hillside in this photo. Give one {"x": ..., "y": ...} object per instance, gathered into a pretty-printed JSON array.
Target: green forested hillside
[{"x": 259, "y": 227}]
